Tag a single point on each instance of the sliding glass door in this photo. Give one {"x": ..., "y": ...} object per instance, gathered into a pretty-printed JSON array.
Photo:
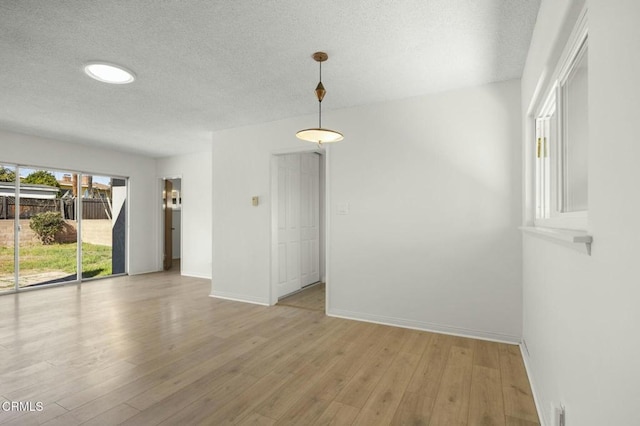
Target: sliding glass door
[
  {"x": 66, "y": 225},
  {"x": 47, "y": 227},
  {"x": 103, "y": 226},
  {"x": 7, "y": 227}
]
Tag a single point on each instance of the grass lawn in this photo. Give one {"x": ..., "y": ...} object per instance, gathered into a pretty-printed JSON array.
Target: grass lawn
[{"x": 96, "y": 260}]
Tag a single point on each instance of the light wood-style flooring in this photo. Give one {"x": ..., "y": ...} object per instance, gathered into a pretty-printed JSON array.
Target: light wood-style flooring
[
  {"x": 155, "y": 349},
  {"x": 311, "y": 298}
]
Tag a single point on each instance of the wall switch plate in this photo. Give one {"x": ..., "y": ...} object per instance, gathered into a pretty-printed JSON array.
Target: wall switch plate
[{"x": 255, "y": 201}]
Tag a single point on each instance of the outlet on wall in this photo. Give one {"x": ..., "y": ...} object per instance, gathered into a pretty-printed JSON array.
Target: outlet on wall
[{"x": 558, "y": 415}]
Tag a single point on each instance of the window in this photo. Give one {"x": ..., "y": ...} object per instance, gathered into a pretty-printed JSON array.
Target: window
[
  {"x": 562, "y": 135},
  {"x": 575, "y": 135}
]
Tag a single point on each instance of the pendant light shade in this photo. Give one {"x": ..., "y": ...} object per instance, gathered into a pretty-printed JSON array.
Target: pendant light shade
[{"x": 319, "y": 134}]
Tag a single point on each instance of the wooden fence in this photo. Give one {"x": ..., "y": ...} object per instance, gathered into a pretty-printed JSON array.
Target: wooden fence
[{"x": 92, "y": 208}]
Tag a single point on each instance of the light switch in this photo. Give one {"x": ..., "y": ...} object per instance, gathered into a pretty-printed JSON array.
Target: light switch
[
  {"x": 342, "y": 208},
  {"x": 255, "y": 200}
]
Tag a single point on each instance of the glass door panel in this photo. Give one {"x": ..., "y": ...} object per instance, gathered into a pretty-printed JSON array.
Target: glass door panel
[
  {"x": 7, "y": 227},
  {"x": 103, "y": 226},
  {"x": 48, "y": 223}
]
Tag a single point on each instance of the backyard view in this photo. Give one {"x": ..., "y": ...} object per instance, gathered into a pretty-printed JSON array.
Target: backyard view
[
  {"x": 47, "y": 215},
  {"x": 40, "y": 263}
]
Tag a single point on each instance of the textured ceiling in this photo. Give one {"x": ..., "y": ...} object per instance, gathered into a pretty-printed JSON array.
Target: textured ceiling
[{"x": 205, "y": 65}]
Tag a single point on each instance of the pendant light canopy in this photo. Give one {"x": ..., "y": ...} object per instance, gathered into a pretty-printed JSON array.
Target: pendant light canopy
[{"x": 319, "y": 134}]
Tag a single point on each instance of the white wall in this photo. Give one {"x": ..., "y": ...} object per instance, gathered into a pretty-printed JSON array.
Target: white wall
[
  {"x": 47, "y": 153},
  {"x": 434, "y": 189},
  {"x": 581, "y": 312},
  {"x": 195, "y": 173}
]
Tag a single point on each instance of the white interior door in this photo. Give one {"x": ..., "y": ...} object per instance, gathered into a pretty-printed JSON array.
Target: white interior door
[
  {"x": 288, "y": 224},
  {"x": 309, "y": 218}
]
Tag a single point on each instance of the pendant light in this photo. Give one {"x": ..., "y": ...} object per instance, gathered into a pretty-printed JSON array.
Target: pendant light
[{"x": 318, "y": 134}]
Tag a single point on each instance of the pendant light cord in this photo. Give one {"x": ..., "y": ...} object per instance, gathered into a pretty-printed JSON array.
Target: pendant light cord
[{"x": 320, "y": 101}]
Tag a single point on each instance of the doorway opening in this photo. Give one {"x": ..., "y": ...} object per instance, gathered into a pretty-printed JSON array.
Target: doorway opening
[
  {"x": 172, "y": 223},
  {"x": 298, "y": 199}
]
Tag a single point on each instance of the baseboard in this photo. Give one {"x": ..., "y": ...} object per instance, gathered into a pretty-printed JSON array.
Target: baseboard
[
  {"x": 425, "y": 326},
  {"x": 194, "y": 275},
  {"x": 153, "y": 271},
  {"x": 239, "y": 298},
  {"x": 536, "y": 397}
]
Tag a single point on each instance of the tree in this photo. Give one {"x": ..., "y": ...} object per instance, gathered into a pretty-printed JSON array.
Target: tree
[
  {"x": 42, "y": 177},
  {"x": 7, "y": 175}
]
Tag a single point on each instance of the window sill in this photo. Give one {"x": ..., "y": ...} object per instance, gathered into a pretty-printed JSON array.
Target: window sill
[{"x": 565, "y": 236}]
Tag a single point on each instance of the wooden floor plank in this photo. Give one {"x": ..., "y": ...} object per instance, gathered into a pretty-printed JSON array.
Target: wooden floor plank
[
  {"x": 426, "y": 379},
  {"x": 49, "y": 412},
  {"x": 416, "y": 342},
  {"x": 155, "y": 349},
  {"x": 312, "y": 298},
  {"x": 172, "y": 384},
  {"x": 385, "y": 398},
  {"x": 487, "y": 354},
  {"x": 518, "y": 399},
  {"x": 114, "y": 416},
  {"x": 414, "y": 409},
  {"x": 452, "y": 403},
  {"x": 337, "y": 414},
  {"x": 72, "y": 383},
  {"x": 233, "y": 409},
  {"x": 217, "y": 389},
  {"x": 416, "y": 406},
  {"x": 485, "y": 402},
  {"x": 513, "y": 421},
  {"x": 305, "y": 411},
  {"x": 255, "y": 419},
  {"x": 372, "y": 368}
]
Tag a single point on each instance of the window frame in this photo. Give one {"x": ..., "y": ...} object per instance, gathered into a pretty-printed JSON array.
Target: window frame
[{"x": 549, "y": 171}]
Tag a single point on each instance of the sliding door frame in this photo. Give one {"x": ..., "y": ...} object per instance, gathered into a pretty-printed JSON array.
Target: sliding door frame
[{"x": 78, "y": 209}]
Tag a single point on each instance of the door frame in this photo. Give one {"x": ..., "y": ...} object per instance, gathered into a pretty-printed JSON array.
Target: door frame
[
  {"x": 324, "y": 179},
  {"x": 160, "y": 241}
]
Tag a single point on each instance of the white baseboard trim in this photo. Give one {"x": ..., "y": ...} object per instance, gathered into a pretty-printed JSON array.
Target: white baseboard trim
[
  {"x": 153, "y": 271},
  {"x": 195, "y": 275},
  {"x": 239, "y": 298},
  {"x": 536, "y": 397},
  {"x": 425, "y": 326},
  {"x": 183, "y": 273}
]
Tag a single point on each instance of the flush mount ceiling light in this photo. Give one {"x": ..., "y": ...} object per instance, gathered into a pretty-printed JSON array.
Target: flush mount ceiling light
[
  {"x": 109, "y": 73},
  {"x": 318, "y": 134}
]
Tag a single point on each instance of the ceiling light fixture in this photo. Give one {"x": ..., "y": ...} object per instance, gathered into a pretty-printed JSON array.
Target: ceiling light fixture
[
  {"x": 318, "y": 134},
  {"x": 109, "y": 73}
]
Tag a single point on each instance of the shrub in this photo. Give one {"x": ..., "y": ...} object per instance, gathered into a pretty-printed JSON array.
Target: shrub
[{"x": 47, "y": 225}]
